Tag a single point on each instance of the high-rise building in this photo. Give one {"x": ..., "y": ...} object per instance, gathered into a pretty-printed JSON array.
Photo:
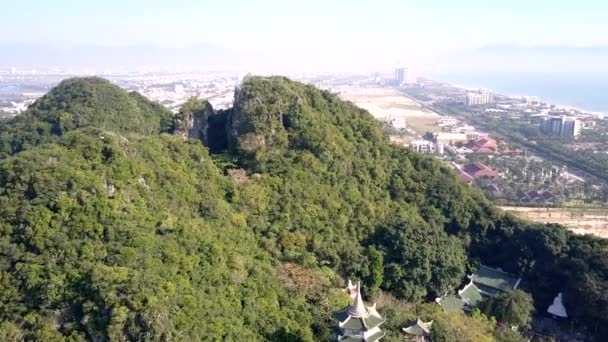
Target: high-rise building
[
  {"x": 552, "y": 125},
  {"x": 561, "y": 125},
  {"x": 400, "y": 76},
  {"x": 571, "y": 127},
  {"x": 481, "y": 97},
  {"x": 487, "y": 96}
]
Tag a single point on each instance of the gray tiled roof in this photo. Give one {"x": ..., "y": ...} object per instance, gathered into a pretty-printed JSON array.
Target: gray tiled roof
[
  {"x": 471, "y": 295},
  {"x": 451, "y": 304},
  {"x": 357, "y": 323},
  {"x": 487, "y": 277}
]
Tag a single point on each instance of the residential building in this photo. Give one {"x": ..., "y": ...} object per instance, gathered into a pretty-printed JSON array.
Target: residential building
[
  {"x": 448, "y": 137},
  {"x": 447, "y": 121},
  {"x": 400, "y": 76},
  {"x": 477, "y": 170},
  {"x": 481, "y": 97},
  {"x": 487, "y": 96},
  {"x": 425, "y": 146},
  {"x": 492, "y": 191},
  {"x": 571, "y": 127},
  {"x": 565, "y": 126},
  {"x": 485, "y": 145},
  {"x": 473, "y": 99},
  {"x": 541, "y": 197}
]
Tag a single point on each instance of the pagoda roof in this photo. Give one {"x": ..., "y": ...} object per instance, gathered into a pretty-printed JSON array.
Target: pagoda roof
[
  {"x": 471, "y": 295},
  {"x": 357, "y": 316},
  {"x": 419, "y": 328},
  {"x": 375, "y": 337},
  {"x": 371, "y": 320}
]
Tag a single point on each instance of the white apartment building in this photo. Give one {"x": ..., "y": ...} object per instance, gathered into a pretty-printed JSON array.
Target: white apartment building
[
  {"x": 425, "y": 146},
  {"x": 447, "y": 121},
  {"x": 481, "y": 97},
  {"x": 566, "y": 126}
]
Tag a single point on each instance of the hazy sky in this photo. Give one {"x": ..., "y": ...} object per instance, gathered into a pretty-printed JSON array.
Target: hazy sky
[{"x": 324, "y": 33}]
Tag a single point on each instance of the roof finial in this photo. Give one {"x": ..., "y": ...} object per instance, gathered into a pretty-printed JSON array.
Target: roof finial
[
  {"x": 358, "y": 309},
  {"x": 350, "y": 289}
]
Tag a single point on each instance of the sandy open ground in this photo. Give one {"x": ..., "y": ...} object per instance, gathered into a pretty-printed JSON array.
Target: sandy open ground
[
  {"x": 383, "y": 103},
  {"x": 578, "y": 220}
]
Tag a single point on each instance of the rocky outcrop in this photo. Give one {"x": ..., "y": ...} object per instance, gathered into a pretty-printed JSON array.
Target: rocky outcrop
[
  {"x": 193, "y": 120},
  {"x": 256, "y": 120}
]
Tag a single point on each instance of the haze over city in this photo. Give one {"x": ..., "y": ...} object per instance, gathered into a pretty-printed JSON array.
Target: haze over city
[
  {"x": 296, "y": 36},
  {"x": 321, "y": 170}
]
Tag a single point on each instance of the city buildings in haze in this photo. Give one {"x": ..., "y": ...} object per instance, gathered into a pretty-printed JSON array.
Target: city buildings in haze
[
  {"x": 565, "y": 126},
  {"x": 400, "y": 76},
  {"x": 481, "y": 97}
]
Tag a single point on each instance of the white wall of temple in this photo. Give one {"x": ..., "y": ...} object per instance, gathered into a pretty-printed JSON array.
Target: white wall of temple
[{"x": 371, "y": 332}]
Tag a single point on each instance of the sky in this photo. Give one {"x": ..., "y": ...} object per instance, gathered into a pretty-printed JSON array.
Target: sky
[{"x": 327, "y": 35}]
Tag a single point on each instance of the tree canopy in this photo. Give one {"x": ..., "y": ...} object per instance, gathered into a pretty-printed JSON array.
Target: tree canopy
[
  {"x": 82, "y": 102},
  {"x": 514, "y": 308},
  {"x": 112, "y": 230}
]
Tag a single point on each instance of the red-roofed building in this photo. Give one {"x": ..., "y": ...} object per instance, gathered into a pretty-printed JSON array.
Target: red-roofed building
[
  {"x": 486, "y": 142},
  {"x": 484, "y": 150},
  {"x": 467, "y": 178},
  {"x": 478, "y": 170},
  {"x": 484, "y": 145}
]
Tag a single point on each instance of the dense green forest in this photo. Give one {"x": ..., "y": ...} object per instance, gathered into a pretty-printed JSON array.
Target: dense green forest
[
  {"x": 114, "y": 228},
  {"x": 79, "y": 103}
]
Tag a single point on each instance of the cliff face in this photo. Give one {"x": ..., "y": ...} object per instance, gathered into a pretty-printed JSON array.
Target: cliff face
[
  {"x": 256, "y": 123},
  {"x": 193, "y": 120},
  {"x": 236, "y": 122}
]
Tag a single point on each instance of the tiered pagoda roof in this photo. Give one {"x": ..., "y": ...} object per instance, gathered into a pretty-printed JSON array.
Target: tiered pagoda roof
[
  {"x": 419, "y": 328},
  {"x": 358, "y": 322}
]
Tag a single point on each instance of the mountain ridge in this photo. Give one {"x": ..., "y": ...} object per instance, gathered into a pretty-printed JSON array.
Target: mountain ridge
[{"x": 319, "y": 187}]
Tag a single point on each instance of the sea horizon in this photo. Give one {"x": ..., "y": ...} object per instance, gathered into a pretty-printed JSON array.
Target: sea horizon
[{"x": 587, "y": 92}]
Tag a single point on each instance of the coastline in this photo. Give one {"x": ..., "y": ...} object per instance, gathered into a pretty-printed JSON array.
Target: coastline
[{"x": 511, "y": 95}]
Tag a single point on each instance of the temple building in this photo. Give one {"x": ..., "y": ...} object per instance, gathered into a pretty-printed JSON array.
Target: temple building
[
  {"x": 358, "y": 322},
  {"x": 419, "y": 330},
  {"x": 491, "y": 281},
  {"x": 486, "y": 282}
]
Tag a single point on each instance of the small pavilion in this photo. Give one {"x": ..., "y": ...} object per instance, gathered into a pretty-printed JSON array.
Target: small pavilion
[
  {"x": 357, "y": 322},
  {"x": 419, "y": 330}
]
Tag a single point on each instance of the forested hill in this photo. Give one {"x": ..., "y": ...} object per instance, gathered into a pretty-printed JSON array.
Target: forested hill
[
  {"x": 78, "y": 103},
  {"x": 111, "y": 229}
]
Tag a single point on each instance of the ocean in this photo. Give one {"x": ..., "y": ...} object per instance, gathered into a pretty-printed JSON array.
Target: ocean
[{"x": 585, "y": 91}]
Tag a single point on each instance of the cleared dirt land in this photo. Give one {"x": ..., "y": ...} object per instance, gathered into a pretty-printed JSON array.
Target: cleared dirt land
[
  {"x": 578, "y": 220},
  {"x": 383, "y": 103}
]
